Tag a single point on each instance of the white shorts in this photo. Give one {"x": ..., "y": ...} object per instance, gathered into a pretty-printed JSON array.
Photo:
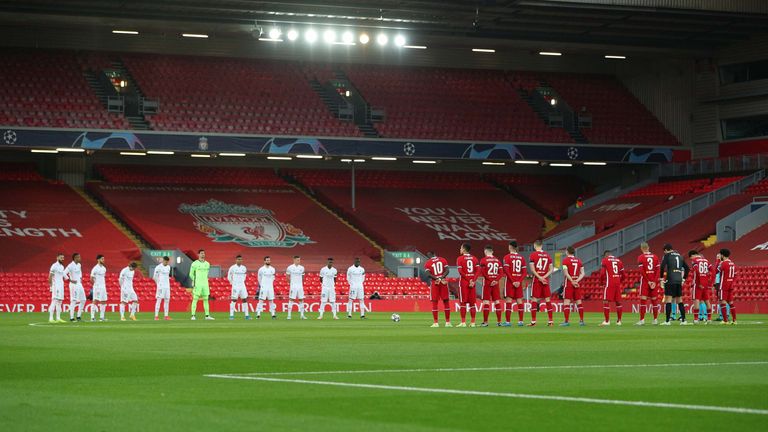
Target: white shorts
[
  {"x": 99, "y": 294},
  {"x": 163, "y": 292},
  {"x": 357, "y": 293},
  {"x": 57, "y": 293},
  {"x": 328, "y": 295},
  {"x": 267, "y": 293},
  {"x": 296, "y": 293},
  {"x": 239, "y": 292},
  {"x": 128, "y": 295},
  {"x": 76, "y": 293}
]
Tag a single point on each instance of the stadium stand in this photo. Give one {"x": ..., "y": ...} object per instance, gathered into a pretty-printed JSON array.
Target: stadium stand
[
  {"x": 552, "y": 195},
  {"x": 176, "y": 175},
  {"x": 452, "y": 104},
  {"x": 760, "y": 188},
  {"x": 154, "y": 210},
  {"x": 752, "y": 249},
  {"x": 19, "y": 172},
  {"x": 42, "y": 218},
  {"x": 227, "y": 95},
  {"x": 48, "y": 89},
  {"x": 617, "y": 117},
  {"x": 425, "y": 211}
]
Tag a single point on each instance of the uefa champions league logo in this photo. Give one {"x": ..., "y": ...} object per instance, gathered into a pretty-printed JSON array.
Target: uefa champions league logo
[
  {"x": 573, "y": 153},
  {"x": 9, "y": 137},
  {"x": 409, "y": 149},
  {"x": 247, "y": 225}
]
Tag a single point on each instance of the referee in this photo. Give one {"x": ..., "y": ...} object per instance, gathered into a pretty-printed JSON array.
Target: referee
[{"x": 674, "y": 270}]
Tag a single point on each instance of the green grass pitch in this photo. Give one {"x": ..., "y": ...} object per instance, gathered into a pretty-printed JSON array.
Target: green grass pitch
[{"x": 149, "y": 375}]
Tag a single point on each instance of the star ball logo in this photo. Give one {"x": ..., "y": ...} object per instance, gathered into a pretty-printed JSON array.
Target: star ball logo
[
  {"x": 9, "y": 137},
  {"x": 409, "y": 149},
  {"x": 573, "y": 153}
]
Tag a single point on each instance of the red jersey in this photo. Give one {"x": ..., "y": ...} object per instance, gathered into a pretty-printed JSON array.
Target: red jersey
[
  {"x": 573, "y": 266},
  {"x": 468, "y": 267},
  {"x": 612, "y": 268},
  {"x": 649, "y": 266},
  {"x": 492, "y": 269},
  {"x": 541, "y": 262},
  {"x": 436, "y": 266},
  {"x": 727, "y": 274},
  {"x": 701, "y": 272},
  {"x": 514, "y": 267}
]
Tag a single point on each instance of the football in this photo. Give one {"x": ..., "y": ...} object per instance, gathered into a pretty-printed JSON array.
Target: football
[{"x": 395, "y": 317}]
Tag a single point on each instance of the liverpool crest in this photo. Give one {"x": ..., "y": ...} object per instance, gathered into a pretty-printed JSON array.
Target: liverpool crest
[{"x": 248, "y": 225}]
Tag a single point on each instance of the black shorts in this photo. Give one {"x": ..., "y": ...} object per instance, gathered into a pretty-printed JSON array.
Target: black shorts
[{"x": 673, "y": 290}]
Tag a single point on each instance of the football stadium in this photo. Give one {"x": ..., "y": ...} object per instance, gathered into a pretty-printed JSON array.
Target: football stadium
[{"x": 384, "y": 215}]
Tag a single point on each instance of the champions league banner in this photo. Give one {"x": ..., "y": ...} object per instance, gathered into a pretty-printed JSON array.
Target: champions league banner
[{"x": 182, "y": 142}]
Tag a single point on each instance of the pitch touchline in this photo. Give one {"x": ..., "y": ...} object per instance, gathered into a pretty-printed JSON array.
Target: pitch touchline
[
  {"x": 499, "y": 368},
  {"x": 507, "y": 395}
]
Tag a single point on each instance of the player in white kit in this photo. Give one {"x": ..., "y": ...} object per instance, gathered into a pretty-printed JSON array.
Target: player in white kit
[
  {"x": 74, "y": 273},
  {"x": 236, "y": 277},
  {"x": 328, "y": 293},
  {"x": 56, "y": 284},
  {"x": 99, "y": 290},
  {"x": 266, "y": 278},
  {"x": 295, "y": 275},
  {"x": 162, "y": 277},
  {"x": 355, "y": 278},
  {"x": 127, "y": 294}
]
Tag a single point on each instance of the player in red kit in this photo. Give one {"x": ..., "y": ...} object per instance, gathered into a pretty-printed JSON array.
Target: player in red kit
[
  {"x": 701, "y": 283},
  {"x": 541, "y": 267},
  {"x": 612, "y": 275},
  {"x": 491, "y": 272},
  {"x": 727, "y": 275},
  {"x": 649, "y": 266},
  {"x": 468, "y": 267},
  {"x": 573, "y": 270},
  {"x": 437, "y": 269},
  {"x": 515, "y": 271}
]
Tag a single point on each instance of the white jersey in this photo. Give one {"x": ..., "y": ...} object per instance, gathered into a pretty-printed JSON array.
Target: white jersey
[
  {"x": 126, "y": 279},
  {"x": 57, "y": 270},
  {"x": 356, "y": 276},
  {"x": 74, "y": 273},
  {"x": 98, "y": 274},
  {"x": 328, "y": 276},
  {"x": 266, "y": 277},
  {"x": 162, "y": 276},
  {"x": 236, "y": 275},
  {"x": 295, "y": 275}
]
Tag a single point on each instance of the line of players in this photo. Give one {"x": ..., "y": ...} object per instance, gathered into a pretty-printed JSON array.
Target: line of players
[
  {"x": 73, "y": 274},
  {"x": 667, "y": 274}
]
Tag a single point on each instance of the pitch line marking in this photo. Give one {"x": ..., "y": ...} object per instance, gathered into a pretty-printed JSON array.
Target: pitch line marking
[
  {"x": 499, "y": 368},
  {"x": 735, "y": 410}
]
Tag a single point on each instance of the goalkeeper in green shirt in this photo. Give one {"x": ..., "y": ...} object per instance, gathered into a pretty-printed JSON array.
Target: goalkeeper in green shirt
[{"x": 200, "y": 291}]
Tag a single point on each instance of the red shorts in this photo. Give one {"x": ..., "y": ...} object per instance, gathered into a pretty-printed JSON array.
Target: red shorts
[
  {"x": 726, "y": 295},
  {"x": 511, "y": 292},
  {"x": 645, "y": 289},
  {"x": 438, "y": 291},
  {"x": 699, "y": 293},
  {"x": 572, "y": 293},
  {"x": 540, "y": 290},
  {"x": 491, "y": 292},
  {"x": 467, "y": 291},
  {"x": 612, "y": 292}
]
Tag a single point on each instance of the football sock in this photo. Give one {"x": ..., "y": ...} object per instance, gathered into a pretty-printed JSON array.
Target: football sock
[
  {"x": 733, "y": 312},
  {"x": 272, "y": 308},
  {"x": 102, "y": 310},
  {"x": 434, "y": 313},
  {"x": 166, "y": 305},
  {"x": 194, "y": 304},
  {"x": 508, "y": 311},
  {"x": 72, "y": 309},
  {"x": 567, "y": 312},
  {"x": 696, "y": 314},
  {"x": 301, "y": 307},
  {"x": 486, "y": 312},
  {"x": 322, "y": 308},
  {"x": 59, "y": 304},
  {"x": 122, "y": 310},
  {"x": 534, "y": 311},
  {"x": 642, "y": 308},
  {"x": 709, "y": 314},
  {"x": 473, "y": 312},
  {"x": 681, "y": 309},
  {"x": 259, "y": 307},
  {"x": 52, "y": 309},
  {"x": 206, "y": 306},
  {"x": 580, "y": 307},
  {"x": 668, "y": 310},
  {"x": 607, "y": 312},
  {"x": 349, "y": 307},
  {"x": 362, "y": 308},
  {"x": 656, "y": 308},
  {"x": 447, "y": 308},
  {"x": 674, "y": 309},
  {"x": 157, "y": 307},
  {"x": 133, "y": 308},
  {"x": 498, "y": 313},
  {"x": 289, "y": 307},
  {"x": 93, "y": 310},
  {"x": 521, "y": 311},
  {"x": 333, "y": 309},
  {"x": 244, "y": 305},
  {"x": 549, "y": 311},
  {"x": 619, "y": 311},
  {"x": 463, "y": 312}
]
